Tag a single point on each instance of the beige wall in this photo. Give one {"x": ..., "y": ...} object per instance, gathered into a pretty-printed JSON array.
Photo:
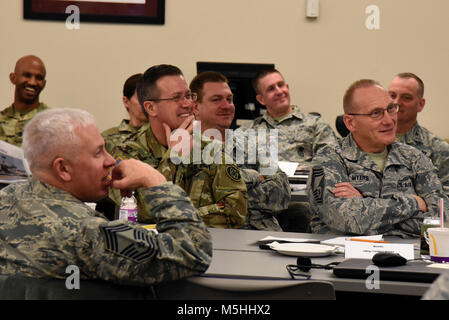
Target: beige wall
[{"x": 319, "y": 58}]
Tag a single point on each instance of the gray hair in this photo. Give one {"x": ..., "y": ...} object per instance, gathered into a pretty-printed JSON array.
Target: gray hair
[{"x": 51, "y": 133}]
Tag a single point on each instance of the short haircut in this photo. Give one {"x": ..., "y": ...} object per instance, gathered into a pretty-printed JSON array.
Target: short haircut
[
  {"x": 197, "y": 83},
  {"x": 408, "y": 75},
  {"x": 51, "y": 134},
  {"x": 259, "y": 75},
  {"x": 130, "y": 86},
  {"x": 146, "y": 86},
  {"x": 348, "y": 99}
]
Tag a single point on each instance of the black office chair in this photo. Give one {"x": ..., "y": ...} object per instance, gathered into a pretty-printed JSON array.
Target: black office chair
[
  {"x": 341, "y": 127},
  {"x": 210, "y": 288},
  {"x": 21, "y": 288}
]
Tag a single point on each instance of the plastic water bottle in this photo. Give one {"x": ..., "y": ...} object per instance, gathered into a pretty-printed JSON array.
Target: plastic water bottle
[{"x": 128, "y": 209}]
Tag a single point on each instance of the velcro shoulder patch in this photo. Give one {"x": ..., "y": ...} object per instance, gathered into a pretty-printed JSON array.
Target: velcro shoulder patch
[
  {"x": 233, "y": 173},
  {"x": 131, "y": 243}
]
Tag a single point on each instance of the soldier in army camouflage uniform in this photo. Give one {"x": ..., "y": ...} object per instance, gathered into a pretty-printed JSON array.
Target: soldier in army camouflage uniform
[
  {"x": 216, "y": 189},
  {"x": 116, "y": 135},
  {"x": 407, "y": 90},
  {"x": 45, "y": 225},
  {"x": 439, "y": 290},
  {"x": 29, "y": 80},
  {"x": 267, "y": 195},
  {"x": 372, "y": 184}
]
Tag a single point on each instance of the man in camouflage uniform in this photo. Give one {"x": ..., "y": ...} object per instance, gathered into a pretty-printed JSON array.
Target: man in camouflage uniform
[
  {"x": 372, "y": 184},
  {"x": 300, "y": 135},
  {"x": 29, "y": 80},
  {"x": 52, "y": 228},
  {"x": 216, "y": 189},
  {"x": 439, "y": 290},
  {"x": 116, "y": 135},
  {"x": 267, "y": 195},
  {"x": 407, "y": 90}
]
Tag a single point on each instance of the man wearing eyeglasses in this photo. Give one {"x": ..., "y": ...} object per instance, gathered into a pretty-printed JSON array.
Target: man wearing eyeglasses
[
  {"x": 372, "y": 184},
  {"x": 216, "y": 189},
  {"x": 407, "y": 90},
  {"x": 268, "y": 195}
]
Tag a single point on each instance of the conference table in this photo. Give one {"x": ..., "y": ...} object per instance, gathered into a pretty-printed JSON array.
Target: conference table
[{"x": 237, "y": 256}]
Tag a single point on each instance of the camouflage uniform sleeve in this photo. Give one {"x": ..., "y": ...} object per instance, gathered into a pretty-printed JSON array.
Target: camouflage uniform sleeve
[
  {"x": 367, "y": 215},
  {"x": 229, "y": 192},
  {"x": 428, "y": 187},
  {"x": 324, "y": 135},
  {"x": 440, "y": 158},
  {"x": 127, "y": 254},
  {"x": 266, "y": 199}
]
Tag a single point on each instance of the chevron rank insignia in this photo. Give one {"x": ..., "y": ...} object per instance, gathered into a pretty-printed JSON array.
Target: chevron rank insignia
[
  {"x": 128, "y": 242},
  {"x": 318, "y": 184}
]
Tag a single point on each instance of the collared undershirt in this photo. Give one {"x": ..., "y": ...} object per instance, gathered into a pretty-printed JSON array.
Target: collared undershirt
[
  {"x": 400, "y": 137},
  {"x": 280, "y": 118},
  {"x": 380, "y": 159}
]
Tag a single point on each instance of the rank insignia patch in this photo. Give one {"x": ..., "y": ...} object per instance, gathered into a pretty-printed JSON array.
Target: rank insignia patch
[
  {"x": 233, "y": 173},
  {"x": 317, "y": 184},
  {"x": 131, "y": 243}
]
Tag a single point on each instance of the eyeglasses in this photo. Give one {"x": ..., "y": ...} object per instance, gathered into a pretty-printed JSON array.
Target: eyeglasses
[
  {"x": 378, "y": 114},
  {"x": 191, "y": 96},
  {"x": 303, "y": 265}
]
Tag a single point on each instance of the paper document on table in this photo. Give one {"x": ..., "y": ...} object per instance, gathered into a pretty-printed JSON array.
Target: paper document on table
[
  {"x": 269, "y": 239},
  {"x": 340, "y": 241},
  {"x": 366, "y": 250},
  {"x": 13, "y": 166}
]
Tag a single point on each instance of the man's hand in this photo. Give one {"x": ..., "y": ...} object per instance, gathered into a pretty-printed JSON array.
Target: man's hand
[
  {"x": 180, "y": 141},
  {"x": 422, "y": 204},
  {"x": 345, "y": 190},
  {"x": 131, "y": 174}
]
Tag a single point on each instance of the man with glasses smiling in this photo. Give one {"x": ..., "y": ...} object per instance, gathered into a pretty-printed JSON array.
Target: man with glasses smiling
[
  {"x": 372, "y": 184},
  {"x": 216, "y": 189}
]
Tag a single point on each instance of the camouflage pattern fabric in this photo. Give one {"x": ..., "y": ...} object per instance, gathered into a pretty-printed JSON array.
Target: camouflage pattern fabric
[
  {"x": 435, "y": 148},
  {"x": 267, "y": 198},
  {"x": 300, "y": 135},
  {"x": 387, "y": 206},
  {"x": 439, "y": 290},
  {"x": 12, "y": 123},
  {"x": 217, "y": 190},
  {"x": 116, "y": 135},
  {"x": 45, "y": 229}
]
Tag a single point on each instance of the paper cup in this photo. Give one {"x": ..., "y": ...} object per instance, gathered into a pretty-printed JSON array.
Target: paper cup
[{"x": 438, "y": 239}]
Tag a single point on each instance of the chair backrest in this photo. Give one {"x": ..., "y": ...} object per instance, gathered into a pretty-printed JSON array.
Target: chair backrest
[
  {"x": 22, "y": 288},
  {"x": 209, "y": 288},
  {"x": 341, "y": 127}
]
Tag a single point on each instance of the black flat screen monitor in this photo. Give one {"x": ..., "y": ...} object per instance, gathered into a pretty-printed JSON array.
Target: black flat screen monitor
[{"x": 240, "y": 77}]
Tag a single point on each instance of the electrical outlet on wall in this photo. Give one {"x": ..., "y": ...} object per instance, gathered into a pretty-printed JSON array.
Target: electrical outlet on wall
[{"x": 312, "y": 8}]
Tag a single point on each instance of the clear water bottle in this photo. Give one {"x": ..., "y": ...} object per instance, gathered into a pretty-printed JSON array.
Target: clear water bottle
[{"x": 128, "y": 209}]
